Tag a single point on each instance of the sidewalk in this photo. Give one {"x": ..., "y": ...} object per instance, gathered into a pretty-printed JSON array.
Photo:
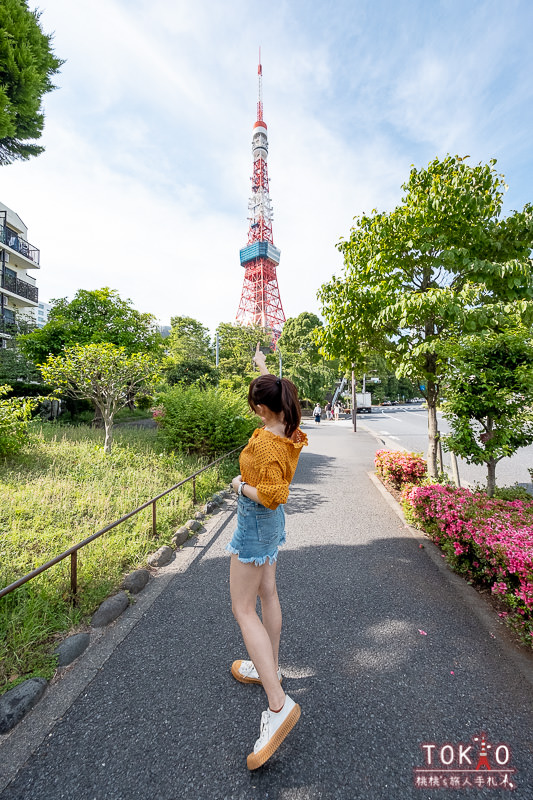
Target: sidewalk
[{"x": 381, "y": 649}]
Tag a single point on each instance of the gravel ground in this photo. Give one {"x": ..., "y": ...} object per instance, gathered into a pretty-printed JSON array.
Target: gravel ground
[{"x": 379, "y": 648}]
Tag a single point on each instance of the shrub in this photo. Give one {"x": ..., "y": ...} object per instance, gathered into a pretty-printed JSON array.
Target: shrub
[
  {"x": 15, "y": 414},
  {"x": 515, "y": 492},
  {"x": 400, "y": 468},
  {"x": 489, "y": 541},
  {"x": 207, "y": 422}
]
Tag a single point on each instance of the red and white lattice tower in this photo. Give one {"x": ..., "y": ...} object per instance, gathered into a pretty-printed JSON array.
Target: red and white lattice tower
[{"x": 260, "y": 301}]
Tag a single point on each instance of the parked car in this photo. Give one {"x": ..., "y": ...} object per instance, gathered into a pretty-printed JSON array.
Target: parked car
[{"x": 386, "y": 403}]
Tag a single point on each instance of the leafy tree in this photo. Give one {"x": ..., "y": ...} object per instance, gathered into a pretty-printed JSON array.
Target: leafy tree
[
  {"x": 489, "y": 398},
  {"x": 103, "y": 373},
  {"x": 15, "y": 413},
  {"x": 14, "y": 366},
  {"x": 189, "y": 358},
  {"x": 302, "y": 363},
  {"x": 188, "y": 341},
  {"x": 93, "y": 316},
  {"x": 297, "y": 337},
  {"x": 406, "y": 389},
  {"x": 441, "y": 264},
  {"x": 237, "y": 345},
  {"x": 27, "y": 65},
  {"x": 191, "y": 373}
]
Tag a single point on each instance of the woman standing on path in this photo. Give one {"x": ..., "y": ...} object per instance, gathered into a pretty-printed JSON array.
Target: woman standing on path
[{"x": 268, "y": 463}]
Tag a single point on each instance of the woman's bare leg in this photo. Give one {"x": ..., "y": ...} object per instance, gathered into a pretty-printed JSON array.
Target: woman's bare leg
[
  {"x": 271, "y": 608},
  {"x": 245, "y": 581}
]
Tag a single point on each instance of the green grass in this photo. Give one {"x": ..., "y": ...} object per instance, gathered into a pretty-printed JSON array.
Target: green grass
[{"x": 59, "y": 490}]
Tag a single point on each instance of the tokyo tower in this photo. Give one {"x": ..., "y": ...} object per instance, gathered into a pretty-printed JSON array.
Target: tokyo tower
[{"x": 260, "y": 301}]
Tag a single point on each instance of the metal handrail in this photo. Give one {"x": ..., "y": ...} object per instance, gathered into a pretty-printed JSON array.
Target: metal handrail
[{"x": 73, "y": 551}]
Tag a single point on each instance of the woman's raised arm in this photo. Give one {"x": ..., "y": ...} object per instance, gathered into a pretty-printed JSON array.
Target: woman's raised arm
[{"x": 260, "y": 360}]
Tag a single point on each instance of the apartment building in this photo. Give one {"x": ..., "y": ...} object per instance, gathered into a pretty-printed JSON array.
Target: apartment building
[
  {"x": 19, "y": 297},
  {"x": 42, "y": 314}
]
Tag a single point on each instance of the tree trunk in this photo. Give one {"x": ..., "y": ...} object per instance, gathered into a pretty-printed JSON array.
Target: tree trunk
[
  {"x": 491, "y": 463},
  {"x": 131, "y": 399},
  {"x": 432, "y": 393},
  {"x": 433, "y": 440},
  {"x": 98, "y": 420},
  {"x": 108, "y": 424},
  {"x": 491, "y": 476}
]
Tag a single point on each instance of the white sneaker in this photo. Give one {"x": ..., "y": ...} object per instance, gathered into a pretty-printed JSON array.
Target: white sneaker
[
  {"x": 245, "y": 672},
  {"x": 275, "y": 727}
]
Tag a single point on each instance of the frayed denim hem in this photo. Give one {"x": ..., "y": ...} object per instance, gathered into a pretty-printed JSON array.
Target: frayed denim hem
[{"x": 257, "y": 561}]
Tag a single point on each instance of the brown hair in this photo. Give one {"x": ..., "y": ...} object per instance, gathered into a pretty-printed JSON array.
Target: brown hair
[{"x": 277, "y": 394}]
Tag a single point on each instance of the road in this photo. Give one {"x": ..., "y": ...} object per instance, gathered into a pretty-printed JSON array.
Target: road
[{"x": 407, "y": 426}]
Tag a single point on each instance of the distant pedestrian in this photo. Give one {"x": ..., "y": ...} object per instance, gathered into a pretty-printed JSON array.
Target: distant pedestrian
[
  {"x": 337, "y": 411},
  {"x": 317, "y": 413},
  {"x": 267, "y": 465},
  {"x": 328, "y": 410}
]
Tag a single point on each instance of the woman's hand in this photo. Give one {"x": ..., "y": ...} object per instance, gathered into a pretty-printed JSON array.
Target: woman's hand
[
  {"x": 260, "y": 360},
  {"x": 236, "y": 482}
]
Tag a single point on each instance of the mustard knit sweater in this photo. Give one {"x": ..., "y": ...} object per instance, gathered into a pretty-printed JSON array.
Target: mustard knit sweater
[{"x": 268, "y": 462}]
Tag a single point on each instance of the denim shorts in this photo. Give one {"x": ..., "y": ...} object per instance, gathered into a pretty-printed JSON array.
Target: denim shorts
[{"x": 259, "y": 533}]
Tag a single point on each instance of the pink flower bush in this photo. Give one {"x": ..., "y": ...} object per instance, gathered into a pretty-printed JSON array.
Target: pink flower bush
[
  {"x": 489, "y": 541},
  {"x": 400, "y": 468},
  {"x": 158, "y": 413}
]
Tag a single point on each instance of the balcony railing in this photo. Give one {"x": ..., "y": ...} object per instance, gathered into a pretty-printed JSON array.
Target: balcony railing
[
  {"x": 8, "y": 327},
  {"x": 18, "y": 243},
  {"x": 21, "y": 288}
]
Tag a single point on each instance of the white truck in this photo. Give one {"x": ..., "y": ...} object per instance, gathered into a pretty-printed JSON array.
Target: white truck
[{"x": 363, "y": 402}]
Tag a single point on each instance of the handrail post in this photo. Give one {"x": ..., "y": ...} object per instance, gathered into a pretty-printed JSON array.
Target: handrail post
[
  {"x": 194, "y": 490},
  {"x": 74, "y": 575},
  {"x": 154, "y": 520}
]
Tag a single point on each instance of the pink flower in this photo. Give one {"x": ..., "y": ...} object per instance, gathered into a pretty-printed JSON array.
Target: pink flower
[{"x": 494, "y": 536}]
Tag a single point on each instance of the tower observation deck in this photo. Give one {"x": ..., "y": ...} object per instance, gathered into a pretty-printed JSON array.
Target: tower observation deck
[{"x": 260, "y": 302}]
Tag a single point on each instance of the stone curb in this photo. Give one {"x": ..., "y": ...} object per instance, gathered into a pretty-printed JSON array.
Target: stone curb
[
  {"x": 136, "y": 581},
  {"x": 110, "y": 609},
  {"x": 17, "y": 702},
  {"x": 161, "y": 557},
  {"x": 73, "y": 646}
]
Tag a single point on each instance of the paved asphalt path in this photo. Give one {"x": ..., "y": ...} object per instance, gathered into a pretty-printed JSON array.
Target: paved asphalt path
[{"x": 164, "y": 719}]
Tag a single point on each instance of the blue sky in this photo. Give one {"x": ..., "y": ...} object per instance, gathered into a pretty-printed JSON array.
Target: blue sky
[{"x": 145, "y": 180}]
